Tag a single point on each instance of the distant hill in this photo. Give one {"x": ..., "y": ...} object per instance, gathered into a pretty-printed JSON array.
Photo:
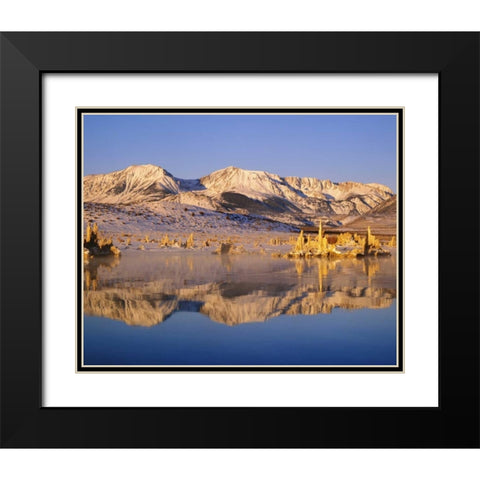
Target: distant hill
[{"x": 382, "y": 219}]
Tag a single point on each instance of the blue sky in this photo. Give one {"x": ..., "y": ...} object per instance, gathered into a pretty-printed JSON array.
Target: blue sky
[{"x": 359, "y": 148}]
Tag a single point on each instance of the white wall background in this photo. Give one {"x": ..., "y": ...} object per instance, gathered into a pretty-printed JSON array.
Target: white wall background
[{"x": 239, "y": 15}]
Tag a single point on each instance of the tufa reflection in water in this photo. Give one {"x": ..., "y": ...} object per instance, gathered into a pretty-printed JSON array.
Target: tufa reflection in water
[{"x": 144, "y": 289}]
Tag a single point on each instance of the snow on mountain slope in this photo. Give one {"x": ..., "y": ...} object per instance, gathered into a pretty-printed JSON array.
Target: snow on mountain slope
[
  {"x": 388, "y": 207},
  {"x": 328, "y": 190},
  {"x": 383, "y": 218},
  {"x": 158, "y": 218},
  {"x": 135, "y": 184},
  {"x": 254, "y": 184},
  {"x": 236, "y": 190}
]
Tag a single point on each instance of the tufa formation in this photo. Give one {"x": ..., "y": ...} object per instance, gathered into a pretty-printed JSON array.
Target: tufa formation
[
  {"x": 345, "y": 245},
  {"x": 94, "y": 245}
]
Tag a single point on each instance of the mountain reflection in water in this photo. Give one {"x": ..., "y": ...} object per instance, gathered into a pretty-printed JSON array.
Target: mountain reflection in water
[{"x": 145, "y": 288}]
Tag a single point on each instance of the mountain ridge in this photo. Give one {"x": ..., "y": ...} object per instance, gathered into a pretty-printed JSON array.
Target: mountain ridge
[{"x": 232, "y": 189}]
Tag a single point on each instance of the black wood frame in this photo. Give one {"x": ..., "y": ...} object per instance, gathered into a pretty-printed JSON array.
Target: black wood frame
[{"x": 25, "y": 57}]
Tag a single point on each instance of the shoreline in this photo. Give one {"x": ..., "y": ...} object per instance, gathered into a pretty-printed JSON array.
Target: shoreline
[{"x": 249, "y": 243}]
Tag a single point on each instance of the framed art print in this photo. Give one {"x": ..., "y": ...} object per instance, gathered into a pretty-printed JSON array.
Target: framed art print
[
  {"x": 242, "y": 267},
  {"x": 220, "y": 233}
]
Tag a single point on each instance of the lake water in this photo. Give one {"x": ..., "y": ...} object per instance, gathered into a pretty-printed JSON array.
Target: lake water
[{"x": 192, "y": 308}]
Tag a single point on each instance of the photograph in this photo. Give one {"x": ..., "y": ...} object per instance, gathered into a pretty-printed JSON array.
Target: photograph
[{"x": 239, "y": 239}]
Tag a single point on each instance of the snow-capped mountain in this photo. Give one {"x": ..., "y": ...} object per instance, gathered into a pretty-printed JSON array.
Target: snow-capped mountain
[
  {"x": 232, "y": 189},
  {"x": 135, "y": 184},
  {"x": 254, "y": 184}
]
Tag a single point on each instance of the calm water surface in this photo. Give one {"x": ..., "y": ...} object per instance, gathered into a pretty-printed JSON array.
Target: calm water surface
[{"x": 164, "y": 308}]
